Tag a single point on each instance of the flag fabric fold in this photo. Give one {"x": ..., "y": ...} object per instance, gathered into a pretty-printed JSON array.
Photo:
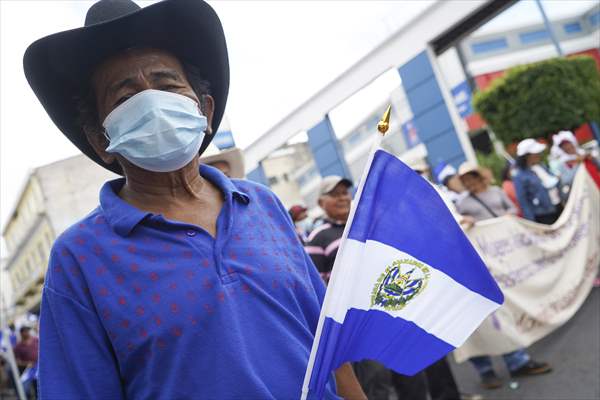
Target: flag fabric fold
[{"x": 407, "y": 286}]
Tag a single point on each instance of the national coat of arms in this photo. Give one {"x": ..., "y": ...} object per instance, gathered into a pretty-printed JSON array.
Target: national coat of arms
[{"x": 399, "y": 284}]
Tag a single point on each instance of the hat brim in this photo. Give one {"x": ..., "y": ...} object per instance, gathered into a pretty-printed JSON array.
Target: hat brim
[
  {"x": 233, "y": 157},
  {"x": 536, "y": 148},
  {"x": 326, "y": 190},
  {"x": 469, "y": 170},
  {"x": 58, "y": 67}
]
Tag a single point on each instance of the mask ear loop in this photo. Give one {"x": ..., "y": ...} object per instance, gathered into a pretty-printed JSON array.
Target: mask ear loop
[
  {"x": 201, "y": 106},
  {"x": 106, "y": 135}
]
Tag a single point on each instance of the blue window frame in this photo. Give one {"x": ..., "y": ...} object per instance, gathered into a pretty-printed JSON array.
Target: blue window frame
[
  {"x": 572, "y": 27},
  {"x": 595, "y": 18},
  {"x": 489, "y": 45},
  {"x": 533, "y": 36}
]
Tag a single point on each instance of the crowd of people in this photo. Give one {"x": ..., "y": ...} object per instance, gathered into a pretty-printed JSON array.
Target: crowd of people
[
  {"x": 25, "y": 348},
  {"x": 530, "y": 189}
]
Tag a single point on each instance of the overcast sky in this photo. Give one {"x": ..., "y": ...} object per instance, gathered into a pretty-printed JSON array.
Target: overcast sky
[{"x": 281, "y": 53}]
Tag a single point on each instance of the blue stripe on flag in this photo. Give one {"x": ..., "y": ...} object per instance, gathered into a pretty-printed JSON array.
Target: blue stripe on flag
[
  {"x": 402, "y": 210},
  {"x": 375, "y": 335}
]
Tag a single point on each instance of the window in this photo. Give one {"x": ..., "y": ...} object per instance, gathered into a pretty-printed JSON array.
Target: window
[
  {"x": 307, "y": 176},
  {"x": 533, "y": 37},
  {"x": 489, "y": 45},
  {"x": 572, "y": 27},
  {"x": 41, "y": 252},
  {"x": 595, "y": 18}
]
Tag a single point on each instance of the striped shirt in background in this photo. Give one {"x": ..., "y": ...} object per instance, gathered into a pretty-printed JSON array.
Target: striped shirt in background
[{"x": 322, "y": 246}]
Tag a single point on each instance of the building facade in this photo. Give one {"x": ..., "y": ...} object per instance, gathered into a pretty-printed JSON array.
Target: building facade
[
  {"x": 442, "y": 57},
  {"x": 54, "y": 197}
]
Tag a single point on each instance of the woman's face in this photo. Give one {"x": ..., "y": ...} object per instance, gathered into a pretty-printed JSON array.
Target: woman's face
[
  {"x": 455, "y": 184},
  {"x": 568, "y": 147},
  {"x": 533, "y": 159},
  {"x": 473, "y": 182}
]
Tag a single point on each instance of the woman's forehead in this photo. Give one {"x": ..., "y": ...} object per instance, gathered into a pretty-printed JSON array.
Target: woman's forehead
[{"x": 133, "y": 61}]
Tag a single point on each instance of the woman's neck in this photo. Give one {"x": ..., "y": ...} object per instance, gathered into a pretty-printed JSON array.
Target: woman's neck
[{"x": 145, "y": 187}]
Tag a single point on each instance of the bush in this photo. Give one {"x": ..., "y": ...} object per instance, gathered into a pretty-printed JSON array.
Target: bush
[
  {"x": 493, "y": 162},
  {"x": 540, "y": 99}
]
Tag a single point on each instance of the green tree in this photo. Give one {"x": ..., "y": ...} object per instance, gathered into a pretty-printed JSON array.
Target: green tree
[
  {"x": 494, "y": 163},
  {"x": 536, "y": 100}
]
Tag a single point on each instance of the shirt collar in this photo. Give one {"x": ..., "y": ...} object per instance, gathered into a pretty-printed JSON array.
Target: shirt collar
[
  {"x": 123, "y": 217},
  {"x": 335, "y": 222}
]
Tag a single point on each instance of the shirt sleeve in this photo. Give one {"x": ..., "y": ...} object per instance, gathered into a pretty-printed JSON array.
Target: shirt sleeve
[
  {"x": 523, "y": 198},
  {"x": 76, "y": 359},
  {"x": 312, "y": 310}
]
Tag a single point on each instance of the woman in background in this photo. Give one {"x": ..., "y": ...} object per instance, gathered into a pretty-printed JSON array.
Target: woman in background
[
  {"x": 566, "y": 157},
  {"x": 485, "y": 202},
  {"x": 536, "y": 187}
]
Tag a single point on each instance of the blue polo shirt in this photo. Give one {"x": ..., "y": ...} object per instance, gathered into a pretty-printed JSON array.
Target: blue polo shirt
[{"x": 140, "y": 307}]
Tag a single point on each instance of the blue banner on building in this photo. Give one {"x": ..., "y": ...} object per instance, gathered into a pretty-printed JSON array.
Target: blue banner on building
[
  {"x": 411, "y": 137},
  {"x": 224, "y": 140},
  {"x": 461, "y": 94}
]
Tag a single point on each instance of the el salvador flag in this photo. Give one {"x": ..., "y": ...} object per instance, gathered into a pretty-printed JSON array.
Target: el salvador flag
[{"x": 407, "y": 286}]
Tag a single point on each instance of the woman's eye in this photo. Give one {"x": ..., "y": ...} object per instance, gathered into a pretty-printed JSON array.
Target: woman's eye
[
  {"x": 169, "y": 87},
  {"x": 122, "y": 100}
]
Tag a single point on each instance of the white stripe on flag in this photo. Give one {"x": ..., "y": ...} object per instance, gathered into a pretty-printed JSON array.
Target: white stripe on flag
[{"x": 444, "y": 308}]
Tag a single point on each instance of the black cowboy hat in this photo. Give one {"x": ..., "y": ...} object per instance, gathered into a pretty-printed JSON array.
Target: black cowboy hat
[{"x": 58, "y": 67}]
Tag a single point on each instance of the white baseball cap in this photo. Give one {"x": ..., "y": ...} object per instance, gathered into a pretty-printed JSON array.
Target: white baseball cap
[
  {"x": 330, "y": 182},
  {"x": 529, "y": 146}
]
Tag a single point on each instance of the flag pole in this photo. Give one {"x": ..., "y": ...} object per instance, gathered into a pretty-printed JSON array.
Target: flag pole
[{"x": 383, "y": 126}]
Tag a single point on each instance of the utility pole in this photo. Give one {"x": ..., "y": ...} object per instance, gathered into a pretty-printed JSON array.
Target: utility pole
[{"x": 549, "y": 28}]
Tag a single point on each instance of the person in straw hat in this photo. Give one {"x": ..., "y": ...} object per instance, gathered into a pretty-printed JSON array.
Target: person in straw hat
[
  {"x": 174, "y": 286},
  {"x": 485, "y": 202}
]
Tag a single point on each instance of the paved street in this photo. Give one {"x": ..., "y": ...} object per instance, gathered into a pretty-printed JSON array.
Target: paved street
[{"x": 574, "y": 352}]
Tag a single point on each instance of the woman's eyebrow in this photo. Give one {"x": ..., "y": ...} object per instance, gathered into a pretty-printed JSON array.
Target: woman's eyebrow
[{"x": 165, "y": 74}]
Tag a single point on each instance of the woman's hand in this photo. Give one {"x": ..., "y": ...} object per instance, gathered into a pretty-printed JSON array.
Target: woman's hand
[
  {"x": 467, "y": 222},
  {"x": 347, "y": 384}
]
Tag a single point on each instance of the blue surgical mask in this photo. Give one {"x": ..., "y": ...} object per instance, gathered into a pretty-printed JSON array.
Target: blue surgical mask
[{"x": 156, "y": 130}]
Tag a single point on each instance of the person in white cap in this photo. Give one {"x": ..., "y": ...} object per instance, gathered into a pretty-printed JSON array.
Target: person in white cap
[
  {"x": 449, "y": 182},
  {"x": 536, "y": 187},
  {"x": 566, "y": 157},
  {"x": 323, "y": 242}
]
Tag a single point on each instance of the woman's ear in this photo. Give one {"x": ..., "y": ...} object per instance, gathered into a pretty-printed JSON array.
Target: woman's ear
[
  {"x": 99, "y": 143},
  {"x": 207, "y": 107}
]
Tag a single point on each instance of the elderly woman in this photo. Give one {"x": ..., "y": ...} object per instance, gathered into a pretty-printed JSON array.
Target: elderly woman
[
  {"x": 183, "y": 283},
  {"x": 537, "y": 188},
  {"x": 566, "y": 157},
  {"x": 485, "y": 202}
]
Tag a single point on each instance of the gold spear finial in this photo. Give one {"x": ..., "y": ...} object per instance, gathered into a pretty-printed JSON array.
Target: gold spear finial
[{"x": 384, "y": 124}]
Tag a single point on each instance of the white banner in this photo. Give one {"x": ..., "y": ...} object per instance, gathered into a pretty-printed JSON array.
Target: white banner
[{"x": 545, "y": 272}]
